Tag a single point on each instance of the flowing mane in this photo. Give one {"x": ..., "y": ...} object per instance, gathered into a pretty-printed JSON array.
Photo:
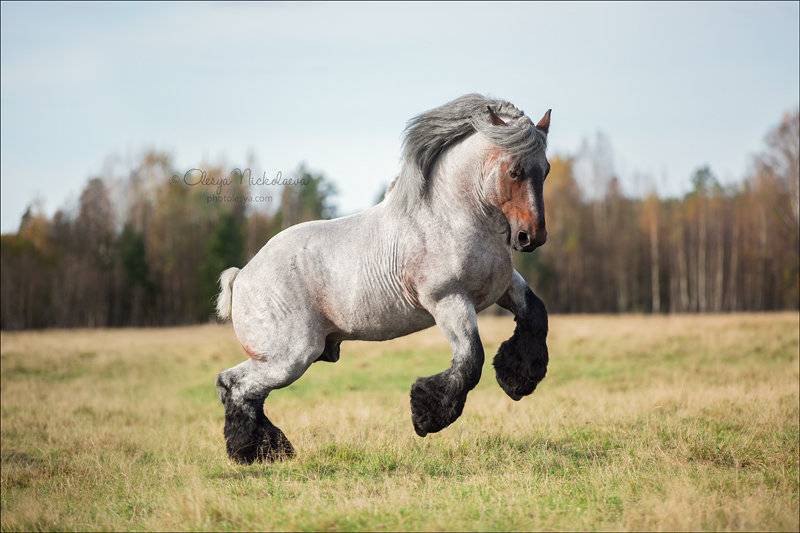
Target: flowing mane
[{"x": 429, "y": 134}]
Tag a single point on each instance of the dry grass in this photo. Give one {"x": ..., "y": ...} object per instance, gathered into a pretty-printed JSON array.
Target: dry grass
[{"x": 658, "y": 423}]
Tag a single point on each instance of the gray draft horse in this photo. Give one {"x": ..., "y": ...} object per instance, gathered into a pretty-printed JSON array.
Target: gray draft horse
[{"x": 437, "y": 250}]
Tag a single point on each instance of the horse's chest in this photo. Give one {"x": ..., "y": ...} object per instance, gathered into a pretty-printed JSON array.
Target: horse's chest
[
  {"x": 482, "y": 272},
  {"x": 485, "y": 276}
]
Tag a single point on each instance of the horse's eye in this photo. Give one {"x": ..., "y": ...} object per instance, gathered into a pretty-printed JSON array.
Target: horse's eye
[{"x": 517, "y": 173}]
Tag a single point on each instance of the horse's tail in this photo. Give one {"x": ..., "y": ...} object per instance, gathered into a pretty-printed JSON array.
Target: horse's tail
[{"x": 225, "y": 298}]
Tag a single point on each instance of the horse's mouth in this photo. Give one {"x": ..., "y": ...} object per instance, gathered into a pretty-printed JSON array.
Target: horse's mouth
[{"x": 525, "y": 249}]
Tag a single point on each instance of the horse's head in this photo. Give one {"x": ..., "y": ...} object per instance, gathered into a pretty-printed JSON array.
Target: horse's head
[{"x": 515, "y": 185}]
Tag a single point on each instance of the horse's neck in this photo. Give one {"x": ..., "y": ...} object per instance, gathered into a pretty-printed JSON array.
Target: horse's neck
[
  {"x": 453, "y": 205},
  {"x": 456, "y": 188}
]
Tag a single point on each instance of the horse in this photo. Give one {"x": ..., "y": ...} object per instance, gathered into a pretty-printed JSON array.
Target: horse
[{"x": 437, "y": 250}]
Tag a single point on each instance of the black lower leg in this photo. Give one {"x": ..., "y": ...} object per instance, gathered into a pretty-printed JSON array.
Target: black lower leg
[
  {"x": 250, "y": 436},
  {"x": 438, "y": 400},
  {"x": 331, "y": 351},
  {"x": 521, "y": 361}
]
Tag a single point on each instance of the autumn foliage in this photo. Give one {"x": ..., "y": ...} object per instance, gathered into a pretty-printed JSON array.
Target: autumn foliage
[{"x": 146, "y": 250}]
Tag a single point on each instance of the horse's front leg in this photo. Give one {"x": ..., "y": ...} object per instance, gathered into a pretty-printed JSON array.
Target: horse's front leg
[
  {"x": 437, "y": 401},
  {"x": 521, "y": 361}
]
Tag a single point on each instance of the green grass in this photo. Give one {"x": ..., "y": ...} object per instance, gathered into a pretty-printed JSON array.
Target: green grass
[{"x": 657, "y": 423}]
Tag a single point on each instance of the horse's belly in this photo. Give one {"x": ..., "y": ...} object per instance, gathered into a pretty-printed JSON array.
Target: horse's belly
[
  {"x": 377, "y": 332},
  {"x": 380, "y": 319}
]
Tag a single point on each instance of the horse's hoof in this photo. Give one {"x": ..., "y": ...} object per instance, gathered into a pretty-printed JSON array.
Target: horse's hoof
[
  {"x": 518, "y": 373},
  {"x": 267, "y": 445},
  {"x": 433, "y": 408},
  {"x": 250, "y": 436},
  {"x": 274, "y": 446}
]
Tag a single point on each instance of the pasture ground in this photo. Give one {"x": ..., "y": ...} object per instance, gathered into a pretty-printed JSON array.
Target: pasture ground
[{"x": 664, "y": 423}]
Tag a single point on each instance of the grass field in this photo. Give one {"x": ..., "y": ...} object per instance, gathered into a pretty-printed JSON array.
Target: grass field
[{"x": 642, "y": 423}]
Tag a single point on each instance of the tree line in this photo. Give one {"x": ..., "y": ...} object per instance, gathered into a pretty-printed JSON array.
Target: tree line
[
  {"x": 146, "y": 249},
  {"x": 715, "y": 249}
]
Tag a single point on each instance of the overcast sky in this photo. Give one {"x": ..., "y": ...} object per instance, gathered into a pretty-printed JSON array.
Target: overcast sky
[{"x": 673, "y": 86}]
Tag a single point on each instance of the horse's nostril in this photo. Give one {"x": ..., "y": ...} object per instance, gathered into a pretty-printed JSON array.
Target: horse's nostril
[{"x": 523, "y": 238}]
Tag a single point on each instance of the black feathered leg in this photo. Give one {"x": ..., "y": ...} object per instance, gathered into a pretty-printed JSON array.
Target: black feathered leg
[
  {"x": 438, "y": 400},
  {"x": 521, "y": 361},
  {"x": 249, "y": 435}
]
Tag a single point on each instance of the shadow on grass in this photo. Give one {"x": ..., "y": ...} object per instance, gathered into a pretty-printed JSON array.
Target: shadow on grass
[
  {"x": 437, "y": 459},
  {"x": 246, "y": 472}
]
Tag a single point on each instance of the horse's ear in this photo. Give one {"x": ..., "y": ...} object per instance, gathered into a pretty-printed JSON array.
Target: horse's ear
[
  {"x": 544, "y": 122},
  {"x": 496, "y": 120}
]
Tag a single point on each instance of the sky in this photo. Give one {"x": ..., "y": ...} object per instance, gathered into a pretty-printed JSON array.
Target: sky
[{"x": 672, "y": 86}]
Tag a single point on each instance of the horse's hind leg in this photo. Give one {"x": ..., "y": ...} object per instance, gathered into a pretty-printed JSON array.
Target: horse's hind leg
[
  {"x": 521, "y": 361},
  {"x": 438, "y": 400},
  {"x": 249, "y": 435},
  {"x": 331, "y": 351}
]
